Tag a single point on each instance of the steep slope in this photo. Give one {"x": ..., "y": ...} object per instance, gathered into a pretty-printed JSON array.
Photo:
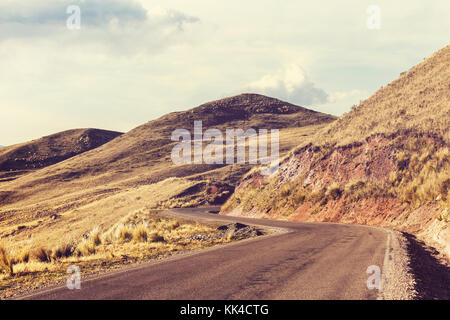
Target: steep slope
[
  {"x": 419, "y": 100},
  {"x": 386, "y": 163},
  {"x": 96, "y": 186}
]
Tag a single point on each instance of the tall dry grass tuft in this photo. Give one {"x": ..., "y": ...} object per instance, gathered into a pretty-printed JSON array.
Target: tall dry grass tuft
[
  {"x": 124, "y": 233},
  {"x": 85, "y": 248},
  {"x": 42, "y": 255},
  {"x": 6, "y": 261},
  {"x": 140, "y": 233},
  {"x": 155, "y": 236},
  {"x": 23, "y": 256},
  {"x": 63, "y": 251},
  {"x": 95, "y": 236}
]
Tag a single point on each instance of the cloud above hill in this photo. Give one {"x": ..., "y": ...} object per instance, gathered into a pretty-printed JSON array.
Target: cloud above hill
[
  {"x": 135, "y": 60},
  {"x": 291, "y": 84}
]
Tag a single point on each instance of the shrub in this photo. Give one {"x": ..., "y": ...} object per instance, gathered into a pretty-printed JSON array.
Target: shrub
[
  {"x": 299, "y": 196},
  {"x": 173, "y": 224},
  {"x": 334, "y": 191},
  {"x": 318, "y": 196}
]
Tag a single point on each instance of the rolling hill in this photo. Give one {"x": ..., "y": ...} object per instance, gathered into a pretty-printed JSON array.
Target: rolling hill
[
  {"x": 52, "y": 149},
  {"x": 26, "y": 157},
  {"x": 385, "y": 163},
  {"x": 135, "y": 170}
]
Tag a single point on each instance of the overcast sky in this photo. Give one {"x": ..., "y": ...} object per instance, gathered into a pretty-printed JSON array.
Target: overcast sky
[{"x": 135, "y": 60}]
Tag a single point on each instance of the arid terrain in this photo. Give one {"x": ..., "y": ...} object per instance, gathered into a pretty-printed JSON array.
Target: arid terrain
[
  {"x": 384, "y": 163},
  {"x": 45, "y": 206},
  {"x": 88, "y": 196}
]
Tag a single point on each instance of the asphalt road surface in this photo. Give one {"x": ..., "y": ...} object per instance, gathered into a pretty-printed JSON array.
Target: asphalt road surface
[{"x": 307, "y": 261}]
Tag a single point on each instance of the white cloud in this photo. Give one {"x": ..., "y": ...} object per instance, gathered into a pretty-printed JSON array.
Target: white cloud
[
  {"x": 133, "y": 61},
  {"x": 292, "y": 84},
  {"x": 345, "y": 95}
]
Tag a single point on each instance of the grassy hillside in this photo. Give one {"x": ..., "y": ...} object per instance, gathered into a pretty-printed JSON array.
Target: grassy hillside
[
  {"x": 135, "y": 170},
  {"x": 386, "y": 162}
]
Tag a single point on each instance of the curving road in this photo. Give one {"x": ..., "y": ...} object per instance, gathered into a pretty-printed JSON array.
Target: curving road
[{"x": 309, "y": 261}]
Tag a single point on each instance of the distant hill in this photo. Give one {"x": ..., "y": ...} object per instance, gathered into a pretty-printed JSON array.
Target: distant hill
[
  {"x": 135, "y": 170},
  {"x": 52, "y": 149},
  {"x": 386, "y": 162},
  {"x": 143, "y": 154}
]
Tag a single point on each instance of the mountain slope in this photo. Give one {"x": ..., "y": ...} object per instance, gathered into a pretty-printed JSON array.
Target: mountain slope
[
  {"x": 384, "y": 163},
  {"x": 136, "y": 170},
  {"x": 419, "y": 99},
  {"x": 149, "y": 145}
]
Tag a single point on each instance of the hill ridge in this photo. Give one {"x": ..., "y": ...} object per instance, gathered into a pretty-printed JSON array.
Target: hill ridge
[{"x": 51, "y": 149}]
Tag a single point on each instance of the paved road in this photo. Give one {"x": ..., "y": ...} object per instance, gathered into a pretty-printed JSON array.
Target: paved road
[{"x": 309, "y": 261}]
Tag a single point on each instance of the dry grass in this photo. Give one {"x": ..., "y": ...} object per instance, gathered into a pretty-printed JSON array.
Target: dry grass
[
  {"x": 63, "y": 251},
  {"x": 421, "y": 176},
  {"x": 86, "y": 247},
  {"x": 73, "y": 223},
  {"x": 412, "y": 111},
  {"x": 418, "y": 100},
  {"x": 23, "y": 256},
  {"x": 139, "y": 236},
  {"x": 6, "y": 261},
  {"x": 140, "y": 233},
  {"x": 42, "y": 255}
]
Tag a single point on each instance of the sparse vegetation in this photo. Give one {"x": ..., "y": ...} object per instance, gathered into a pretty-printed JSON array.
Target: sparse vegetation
[
  {"x": 420, "y": 176},
  {"x": 43, "y": 255},
  {"x": 140, "y": 233},
  {"x": 6, "y": 261},
  {"x": 139, "y": 236},
  {"x": 386, "y": 162},
  {"x": 64, "y": 250}
]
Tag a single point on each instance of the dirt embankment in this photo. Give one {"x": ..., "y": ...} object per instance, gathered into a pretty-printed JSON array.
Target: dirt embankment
[{"x": 398, "y": 181}]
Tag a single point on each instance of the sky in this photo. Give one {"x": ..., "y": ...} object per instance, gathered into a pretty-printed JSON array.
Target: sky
[{"x": 131, "y": 61}]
